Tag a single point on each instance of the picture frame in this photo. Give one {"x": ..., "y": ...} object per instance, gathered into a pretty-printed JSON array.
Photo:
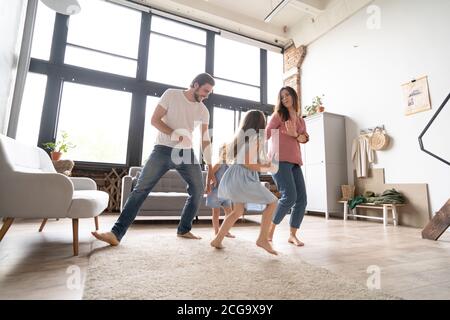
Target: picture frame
[{"x": 416, "y": 96}]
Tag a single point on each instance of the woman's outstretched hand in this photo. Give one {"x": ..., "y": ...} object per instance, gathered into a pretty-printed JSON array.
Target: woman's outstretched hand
[{"x": 291, "y": 128}]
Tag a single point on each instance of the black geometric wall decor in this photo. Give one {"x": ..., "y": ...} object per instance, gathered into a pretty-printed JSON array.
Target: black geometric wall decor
[{"x": 422, "y": 147}]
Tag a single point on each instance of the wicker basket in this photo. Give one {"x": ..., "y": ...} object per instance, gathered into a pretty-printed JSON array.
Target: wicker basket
[
  {"x": 379, "y": 140},
  {"x": 348, "y": 192}
]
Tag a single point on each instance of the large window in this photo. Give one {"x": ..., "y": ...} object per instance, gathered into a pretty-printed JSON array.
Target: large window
[
  {"x": 174, "y": 62},
  {"x": 237, "y": 90},
  {"x": 104, "y": 37},
  {"x": 97, "y": 122},
  {"x": 94, "y": 107},
  {"x": 100, "y": 61},
  {"x": 177, "y": 53},
  {"x": 237, "y": 67},
  {"x": 31, "y": 109},
  {"x": 43, "y": 32},
  {"x": 236, "y": 61},
  {"x": 225, "y": 123},
  {"x": 150, "y": 131},
  {"x": 178, "y": 30}
]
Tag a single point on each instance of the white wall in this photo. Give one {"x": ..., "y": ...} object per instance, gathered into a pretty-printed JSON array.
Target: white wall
[
  {"x": 307, "y": 30},
  {"x": 12, "y": 15},
  {"x": 364, "y": 84}
]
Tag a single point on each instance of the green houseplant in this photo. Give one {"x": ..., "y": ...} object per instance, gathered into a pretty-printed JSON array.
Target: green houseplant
[
  {"x": 59, "y": 147},
  {"x": 316, "y": 106}
]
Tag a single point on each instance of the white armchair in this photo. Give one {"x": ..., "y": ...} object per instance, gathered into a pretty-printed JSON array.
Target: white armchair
[{"x": 31, "y": 188}]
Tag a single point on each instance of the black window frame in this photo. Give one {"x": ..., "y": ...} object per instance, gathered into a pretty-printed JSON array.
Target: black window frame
[{"x": 57, "y": 72}]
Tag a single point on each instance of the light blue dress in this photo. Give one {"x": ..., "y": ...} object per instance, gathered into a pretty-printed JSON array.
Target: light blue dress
[
  {"x": 242, "y": 185},
  {"x": 212, "y": 199}
]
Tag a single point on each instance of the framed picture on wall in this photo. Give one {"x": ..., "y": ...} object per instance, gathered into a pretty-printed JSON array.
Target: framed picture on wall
[{"x": 416, "y": 96}]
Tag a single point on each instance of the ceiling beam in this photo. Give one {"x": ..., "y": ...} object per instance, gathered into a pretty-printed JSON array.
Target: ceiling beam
[{"x": 277, "y": 9}]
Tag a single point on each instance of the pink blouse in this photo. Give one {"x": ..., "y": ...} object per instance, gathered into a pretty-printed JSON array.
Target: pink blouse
[{"x": 287, "y": 147}]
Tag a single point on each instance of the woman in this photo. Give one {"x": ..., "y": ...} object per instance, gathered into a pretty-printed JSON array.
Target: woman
[{"x": 289, "y": 177}]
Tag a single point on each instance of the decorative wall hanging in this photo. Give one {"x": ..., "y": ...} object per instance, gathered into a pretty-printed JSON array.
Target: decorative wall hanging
[{"x": 416, "y": 96}]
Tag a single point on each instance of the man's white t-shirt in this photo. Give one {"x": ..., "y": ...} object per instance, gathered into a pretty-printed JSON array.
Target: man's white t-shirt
[{"x": 183, "y": 116}]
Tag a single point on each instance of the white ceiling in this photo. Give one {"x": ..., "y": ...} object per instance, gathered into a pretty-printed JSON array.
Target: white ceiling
[
  {"x": 259, "y": 9},
  {"x": 246, "y": 17}
]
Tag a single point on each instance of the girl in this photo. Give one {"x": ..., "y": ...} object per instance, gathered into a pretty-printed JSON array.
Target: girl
[
  {"x": 212, "y": 200},
  {"x": 289, "y": 177},
  {"x": 241, "y": 184}
]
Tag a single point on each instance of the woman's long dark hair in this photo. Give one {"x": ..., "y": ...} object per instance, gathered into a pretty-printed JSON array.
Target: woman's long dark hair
[
  {"x": 281, "y": 109},
  {"x": 254, "y": 120}
]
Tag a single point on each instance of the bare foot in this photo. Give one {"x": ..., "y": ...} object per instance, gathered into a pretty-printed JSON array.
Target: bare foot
[
  {"x": 270, "y": 240},
  {"x": 295, "y": 241},
  {"x": 216, "y": 244},
  {"x": 188, "y": 235},
  {"x": 107, "y": 237},
  {"x": 266, "y": 246},
  {"x": 229, "y": 235}
]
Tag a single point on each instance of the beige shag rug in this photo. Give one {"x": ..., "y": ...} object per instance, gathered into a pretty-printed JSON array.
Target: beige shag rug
[{"x": 167, "y": 267}]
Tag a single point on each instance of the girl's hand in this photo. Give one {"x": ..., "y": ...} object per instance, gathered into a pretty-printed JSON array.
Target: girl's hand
[
  {"x": 269, "y": 167},
  {"x": 214, "y": 181},
  {"x": 210, "y": 183},
  {"x": 273, "y": 168},
  {"x": 207, "y": 189}
]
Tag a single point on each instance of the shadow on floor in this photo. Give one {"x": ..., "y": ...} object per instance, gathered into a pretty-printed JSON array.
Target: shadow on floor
[{"x": 202, "y": 222}]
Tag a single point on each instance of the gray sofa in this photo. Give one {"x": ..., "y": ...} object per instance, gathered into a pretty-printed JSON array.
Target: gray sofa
[{"x": 169, "y": 195}]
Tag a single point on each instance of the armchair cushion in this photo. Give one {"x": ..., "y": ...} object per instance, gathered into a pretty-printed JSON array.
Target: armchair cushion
[
  {"x": 85, "y": 203},
  {"x": 81, "y": 183}
]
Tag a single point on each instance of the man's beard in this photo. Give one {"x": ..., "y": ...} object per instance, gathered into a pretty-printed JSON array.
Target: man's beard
[{"x": 197, "y": 97}]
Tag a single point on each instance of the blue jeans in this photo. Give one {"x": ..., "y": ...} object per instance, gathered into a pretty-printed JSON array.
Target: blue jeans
[
  {"x": 290, "y": 183},
  {"x": 160, "y": 161}
]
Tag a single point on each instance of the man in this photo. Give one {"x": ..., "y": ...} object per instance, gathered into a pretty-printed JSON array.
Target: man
[{"x": 176, "y": 116}]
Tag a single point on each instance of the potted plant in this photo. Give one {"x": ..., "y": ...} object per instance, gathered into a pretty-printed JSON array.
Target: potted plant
[
  {"x": 310, "y": 110},
  {"x": 60, "y": 147},
  {"x": 316, "y": 106}
]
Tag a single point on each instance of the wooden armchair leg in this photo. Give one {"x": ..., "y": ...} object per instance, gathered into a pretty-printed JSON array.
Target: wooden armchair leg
[
  {"x": 96, "y": 223},
  {"x": 75, "y": 236},
  {"x": 43, "y": 225},
  {"x": 6, "y": 224}
]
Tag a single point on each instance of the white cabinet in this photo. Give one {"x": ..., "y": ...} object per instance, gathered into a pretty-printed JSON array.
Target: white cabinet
[{"x": 324, "y": 162}]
